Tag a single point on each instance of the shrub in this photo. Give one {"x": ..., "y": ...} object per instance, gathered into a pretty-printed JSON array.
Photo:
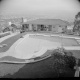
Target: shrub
[{"x": 63, "y": 64}]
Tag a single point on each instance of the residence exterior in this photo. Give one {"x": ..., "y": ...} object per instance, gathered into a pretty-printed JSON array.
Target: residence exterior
[{"x": 54, "y": 25}]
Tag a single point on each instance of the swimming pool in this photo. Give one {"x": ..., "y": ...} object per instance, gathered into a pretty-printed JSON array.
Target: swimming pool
[{"x": 34, "y": 45}]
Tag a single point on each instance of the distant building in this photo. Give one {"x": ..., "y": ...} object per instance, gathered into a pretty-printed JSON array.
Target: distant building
[
  {"x": 7, "y": 22},
  {"x": 54, "y": 25},
  {"x": 4, "y": 23}
]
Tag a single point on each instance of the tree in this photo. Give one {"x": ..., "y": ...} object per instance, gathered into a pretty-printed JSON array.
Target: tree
[
  {"x": 14, "y": 26},
  {"x": 77, "y": 23},
  {"x": 6, "y": 29},
  {"x": 77, "y": 17}
]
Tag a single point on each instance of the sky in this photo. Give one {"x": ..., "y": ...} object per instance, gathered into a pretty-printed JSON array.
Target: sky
[{"x": 60, "y": 9}]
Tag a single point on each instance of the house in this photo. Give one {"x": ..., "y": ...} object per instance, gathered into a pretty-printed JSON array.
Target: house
[{"x": 54, "y": 25}]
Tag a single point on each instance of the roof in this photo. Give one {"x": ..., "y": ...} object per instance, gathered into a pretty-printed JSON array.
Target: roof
[{"x": 48, "y": 22}]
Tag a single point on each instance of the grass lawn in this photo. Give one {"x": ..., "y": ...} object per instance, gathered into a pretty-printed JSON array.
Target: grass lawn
[
  {"x": 42, "y": 69},
  {"x": 10, "y": 41}
]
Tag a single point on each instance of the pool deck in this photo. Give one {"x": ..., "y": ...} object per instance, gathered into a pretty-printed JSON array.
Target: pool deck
[{"x": 11, "y": 45}]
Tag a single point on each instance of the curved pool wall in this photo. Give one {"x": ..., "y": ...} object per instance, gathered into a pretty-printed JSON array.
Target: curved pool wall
[{"x": 18, "y": 49}]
